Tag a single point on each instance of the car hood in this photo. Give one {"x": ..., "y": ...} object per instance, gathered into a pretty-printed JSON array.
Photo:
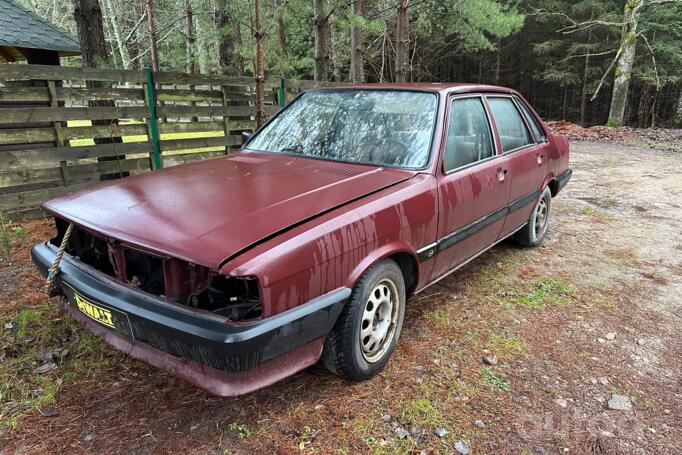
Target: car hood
[{"x": 211, "y": 210}]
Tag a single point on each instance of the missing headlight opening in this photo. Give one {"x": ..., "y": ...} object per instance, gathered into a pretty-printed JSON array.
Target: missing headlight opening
[
  {"x": 234, "y": 297},
  {"x": 174, "y": 280}
]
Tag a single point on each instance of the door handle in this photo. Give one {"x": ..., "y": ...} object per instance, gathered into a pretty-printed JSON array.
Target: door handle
[
  {"x": 501, "y": 174},
  {"x": 539, "y": 158}
]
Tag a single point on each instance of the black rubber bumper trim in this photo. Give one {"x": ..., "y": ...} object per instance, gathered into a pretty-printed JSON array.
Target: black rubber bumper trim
[
  {"x": 182, "y": 331},
  {"x": 563, "y": 179}
]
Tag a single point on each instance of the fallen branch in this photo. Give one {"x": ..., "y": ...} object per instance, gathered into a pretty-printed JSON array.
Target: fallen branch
[
  {"x": 653, "y": 60},
  {"x": 606, "y": 73}
]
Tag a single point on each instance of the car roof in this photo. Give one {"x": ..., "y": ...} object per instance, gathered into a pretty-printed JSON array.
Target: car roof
[{"x": 440, "y": 87}]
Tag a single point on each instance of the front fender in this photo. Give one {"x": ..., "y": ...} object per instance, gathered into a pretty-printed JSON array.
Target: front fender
[
  {"x": 314, "y": 258},
  {"x": 387, "y": 250}
]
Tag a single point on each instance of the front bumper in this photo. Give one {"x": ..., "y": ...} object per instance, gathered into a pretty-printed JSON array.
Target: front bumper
[{"x": 222, "y": 358}]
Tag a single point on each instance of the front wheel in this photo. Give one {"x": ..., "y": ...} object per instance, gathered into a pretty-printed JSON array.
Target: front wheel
[
  {"x": 367, "y": 331},
  {"x": 534, "y": 233}
]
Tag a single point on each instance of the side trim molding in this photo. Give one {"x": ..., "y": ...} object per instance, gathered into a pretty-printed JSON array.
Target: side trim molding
[
  {"x": 460, "y": 234},
  {"x": 427, "y": 252}
]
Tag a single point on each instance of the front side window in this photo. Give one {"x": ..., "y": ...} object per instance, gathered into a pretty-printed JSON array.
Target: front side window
[
  {"x": 378, "y": 127},
  {"x": 532, "y": 121},
  {"x": 510, "y": 126},
  {"x": 469, "y": 137}
]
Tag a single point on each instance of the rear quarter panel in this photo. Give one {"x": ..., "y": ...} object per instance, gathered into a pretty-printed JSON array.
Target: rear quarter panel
[
  {"x": 559, "y": 150},
  {"x": 334, "y": 249}
]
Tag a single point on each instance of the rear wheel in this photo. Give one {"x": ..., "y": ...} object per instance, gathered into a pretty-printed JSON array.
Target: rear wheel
[
  {"x": 367, "y": 331},
  {"x": 534, "y": 233}
]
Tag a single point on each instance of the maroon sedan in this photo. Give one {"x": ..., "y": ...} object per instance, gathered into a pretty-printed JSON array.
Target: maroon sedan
[{"x": 235, "y": 272}]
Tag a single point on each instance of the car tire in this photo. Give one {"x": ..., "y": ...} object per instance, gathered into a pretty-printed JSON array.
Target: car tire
[
  {"x": 367, "y": 331},
  {"x": 535, "y": 231}
]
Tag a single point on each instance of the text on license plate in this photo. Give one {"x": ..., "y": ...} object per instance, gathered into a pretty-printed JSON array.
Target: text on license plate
[{"x": 93, "y": 311}]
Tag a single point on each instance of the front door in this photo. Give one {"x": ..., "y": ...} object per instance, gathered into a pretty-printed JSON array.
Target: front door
[
  {"x": 525, "y": 155},
  {"x": 473, "y": 186}
]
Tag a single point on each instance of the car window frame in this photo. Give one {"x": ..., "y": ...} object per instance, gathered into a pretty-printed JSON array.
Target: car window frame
[
  {"x": 519, "y": 102},
  {"x": 434, "y": 128},
  {"x": 491, "y": 126},
  {"x": 533, "y": 143}
]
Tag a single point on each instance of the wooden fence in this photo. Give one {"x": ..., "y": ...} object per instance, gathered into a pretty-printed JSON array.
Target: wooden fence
[{"x": 65, "y": 128}]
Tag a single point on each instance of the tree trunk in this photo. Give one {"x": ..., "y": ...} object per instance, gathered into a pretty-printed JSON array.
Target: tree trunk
[
  {"x": 114, "y": 21},
  {"x": 206, "y": 46},
  {"x": 112, "y": 51},
  {"x": 88, "y": 15},
  {"x": 225, "y": 42},
  {"x": 677, "y": 120},
  {"x": 190, "y": 46},
  {"x": 321, "y": 22},
  {"x": 334, "y": 55},
  {"x": 383, "y": 57},
  {"x": 357, "y": 64},
  {"x": 586, "y": 69},
  {"x": 237, "y": 59},
  {"x": 402, "y": 41},
  {"x": 628, "y": 45},
  {"x": 136, "y": 47},
  {"x": 259, "y": 64},
  {"x": 191, "y": 39},
  {"x": 152, "y": 35},
  {"x": 229, "y": 35},
  {"x": 282, "y": 33},
  {"x": 498, "y": 62}
]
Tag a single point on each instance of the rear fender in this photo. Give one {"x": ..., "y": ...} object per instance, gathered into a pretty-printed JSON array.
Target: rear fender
[{"x": 548, "y": 181}]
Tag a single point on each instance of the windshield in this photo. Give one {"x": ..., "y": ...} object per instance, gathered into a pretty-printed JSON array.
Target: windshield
[{"x": 379, "y": 127}]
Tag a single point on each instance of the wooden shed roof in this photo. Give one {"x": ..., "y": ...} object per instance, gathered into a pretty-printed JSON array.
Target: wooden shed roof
[{"x": 21, "y": 28}]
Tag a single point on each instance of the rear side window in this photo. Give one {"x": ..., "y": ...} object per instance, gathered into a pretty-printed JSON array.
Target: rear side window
[
  {"x": 510, "y": 125},
  {"x": 539, "y": 134},
  {"x": 469, "y": 136}
]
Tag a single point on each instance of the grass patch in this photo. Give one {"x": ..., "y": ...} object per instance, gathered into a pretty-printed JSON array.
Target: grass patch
[
  {"x": 441, "y": 316},
  {"x": 493, "y": 380},
  {"x": 492, "y": 274},
  {"x": 501, "y": 344},
  {"x": 29, "y": 319},
  {"x": 543, "y": 292},
  {"x": 40, "y": 335},
  {"x": 420, "y": 412},
  {"x": 561, "y": 207},
  {"x": 459, "y": 388},
  {"x": 587, "y": 210},
  {"x": 10, "y": 234},
  {"x": 362, "y": 426},
  {"x": 242, "y": 430},
  {"x": 601, "y": 217}
]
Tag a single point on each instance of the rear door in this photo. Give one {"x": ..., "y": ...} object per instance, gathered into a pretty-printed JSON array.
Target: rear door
[
  {"x": 473, "y": 186},
  {"x": 525, "y": 155}
]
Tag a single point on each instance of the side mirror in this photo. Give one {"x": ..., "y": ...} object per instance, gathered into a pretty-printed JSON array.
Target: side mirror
[{"x": 246, "y": 135}]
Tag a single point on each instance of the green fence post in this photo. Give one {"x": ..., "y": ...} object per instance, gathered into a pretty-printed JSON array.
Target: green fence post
[
  {"x": 153, "y": 123},
  {"x": 281, "y": 96}
]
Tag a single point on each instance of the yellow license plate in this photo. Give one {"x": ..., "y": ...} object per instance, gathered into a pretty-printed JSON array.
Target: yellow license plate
[{"x": 94, "y": 311}]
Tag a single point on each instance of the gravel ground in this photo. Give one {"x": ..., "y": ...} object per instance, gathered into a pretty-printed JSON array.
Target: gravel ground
[{"x": 572, "y": 347}]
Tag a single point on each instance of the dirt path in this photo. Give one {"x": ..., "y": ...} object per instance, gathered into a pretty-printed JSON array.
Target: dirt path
[{"x": 595, "y": 312}]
